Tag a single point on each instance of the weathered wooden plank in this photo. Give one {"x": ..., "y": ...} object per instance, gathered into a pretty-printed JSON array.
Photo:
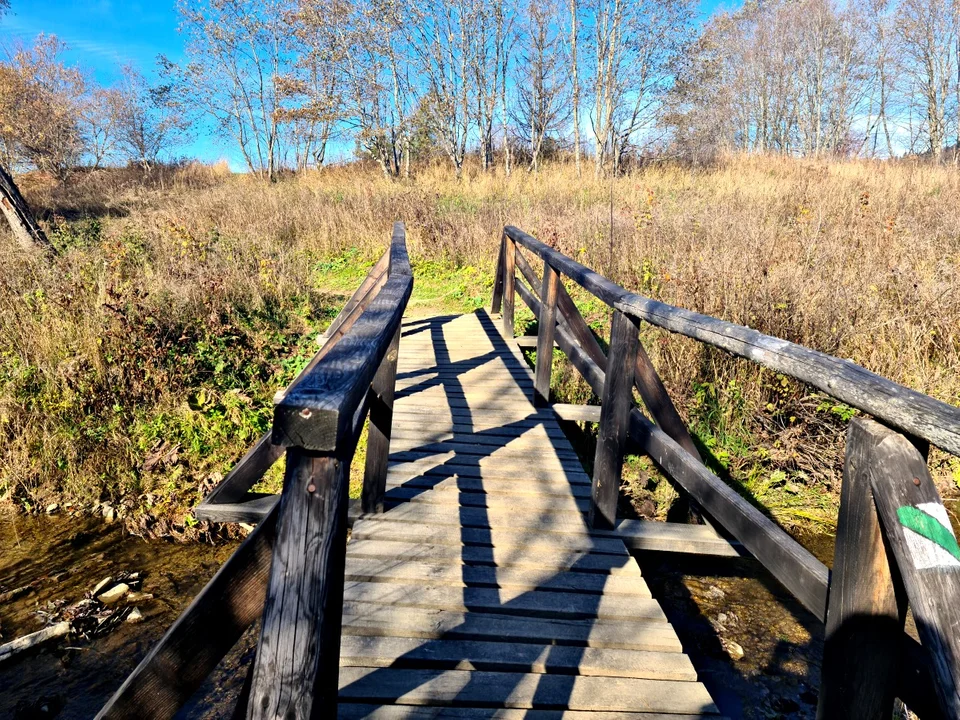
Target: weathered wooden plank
[
  {"x": 381, "y": 527},
  {"x": 488, "y": 468},
  {"x": 443, "y": 481},
  {"x": 498, "y": 446},
  {"x": 577, "y": 413},
  {"x": 251, "y": 508},
  {"x": 507, "y": 601},
  {"x": 921, "y": 538},
  {"x": 650, "y": 535},
  {"x": 366, "y": 569},
  {"x": 540, "y": 556},
  {"x": 538, "y": 503},
  {"x": 617, "y": 401},
  {"x": 361, "y": 296},
  {"x": 497, "y": 302},
  {"x": 33, "y": 640},
  {"x": 446, "y": 687},
  {"x": 316, "y": 411},
  {"x": 503, "y": 458},
  {"x": 545, "y": 332},
  {"x": 914, "y": 412},
  {"x": 246, "y": 473},
  {"x": 867, "y": 606},
  {"x": 380, "y": 402},
  {"x": 359, "y": 711},
  {"x": 477, "y": 517},
  {"x": 502, "y": 435},
  {"x": 528, "y": 342},
  {"x": 213, "y": 622},
  {"x": 380, "y": 620},
  {"x": 797, "y": 569},
  {"x": 788, "y": 561},
  {"x": 360, "y": 651}
]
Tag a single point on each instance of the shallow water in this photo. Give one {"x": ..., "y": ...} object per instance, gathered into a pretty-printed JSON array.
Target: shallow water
[
  {"x": 713, "y": 602},
  {"x": 63, "y": 559}
]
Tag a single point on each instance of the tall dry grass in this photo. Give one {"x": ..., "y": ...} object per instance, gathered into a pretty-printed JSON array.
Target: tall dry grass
[{"x": 857, "y": 259}]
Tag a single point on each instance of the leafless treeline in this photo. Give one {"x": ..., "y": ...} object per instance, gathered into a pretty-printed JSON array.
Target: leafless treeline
[
  {"x": 813, "y": 77},
  {"x": 288, "y": 83}
]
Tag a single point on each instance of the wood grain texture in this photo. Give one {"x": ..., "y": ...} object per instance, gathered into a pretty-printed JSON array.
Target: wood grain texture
[
  {"x": 446, "y": 687},
  {"x": 247, "y": 472},
  {"x": 295, "y": 671},
  {"x": 796, "y": 568},
  {"x": 546, "y": 326},
  {"x": 509, "y": 284},
  {"x": 360, "y": 651},
  {"x": 927, "y": 555},
  {"x": 867, "y": 606},
  {"x": 616, "y": 404},
  {"x": 496, "y": 302},
  {"x": 381, "y": 400},
  {"x": 386, "y": 621}
]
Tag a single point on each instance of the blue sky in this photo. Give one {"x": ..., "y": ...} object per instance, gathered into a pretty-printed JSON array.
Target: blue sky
[{"x": 104, "y": 34}]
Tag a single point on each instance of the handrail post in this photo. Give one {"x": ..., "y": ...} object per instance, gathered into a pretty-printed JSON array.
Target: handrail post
[
  {"x": 308, "y": 559},
  {"x": 866, "y": 609},
  {"x": 920, "y": 537},
  {"x": 546, "y": 328},
  {"x": 382, "y": 392},
  {"x": 616, "y": 404},
  {"x": 497, "y": 301},
  {"x": 509, "y": 283}
]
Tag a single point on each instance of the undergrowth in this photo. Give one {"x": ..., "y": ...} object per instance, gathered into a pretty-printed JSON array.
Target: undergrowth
[{"x": 140, "y": 364}]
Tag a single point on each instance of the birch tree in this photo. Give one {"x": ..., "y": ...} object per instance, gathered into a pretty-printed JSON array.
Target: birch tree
[
  {"x": 542, "y": 92},
  {"x": 928, "y": 33},
  {"x": 236, "y": 50}
]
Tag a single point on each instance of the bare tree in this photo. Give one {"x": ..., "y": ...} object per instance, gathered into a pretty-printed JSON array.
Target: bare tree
[
  {"x": 236, "y": 51},
  {"x": 575, "y": 79},
  {"x": 442, "y": 37},
  {"x": 928, "y": 33},
  {"x": 146, "y": 121},
  {"x": 635, "y": 44},
  {"x": 542, "y": 100}
]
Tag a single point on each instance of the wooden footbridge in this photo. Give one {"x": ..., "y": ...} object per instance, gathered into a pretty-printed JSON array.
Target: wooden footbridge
[{"x": 487, "y": 575}]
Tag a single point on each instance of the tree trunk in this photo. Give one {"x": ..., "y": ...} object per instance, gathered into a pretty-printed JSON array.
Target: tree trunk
[
  {"x": 26, "y": 230},
  {"x": 576, "y": 83}
]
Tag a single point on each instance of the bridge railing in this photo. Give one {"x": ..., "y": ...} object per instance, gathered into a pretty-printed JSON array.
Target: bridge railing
[
  {"x": 289, "y": 572},
  {"x": 894, "y": 545}
]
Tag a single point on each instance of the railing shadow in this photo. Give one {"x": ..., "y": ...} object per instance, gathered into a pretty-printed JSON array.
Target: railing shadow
[{"x": 531, "y": 654}]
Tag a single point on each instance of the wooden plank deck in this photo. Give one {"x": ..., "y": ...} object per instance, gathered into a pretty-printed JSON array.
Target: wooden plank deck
[{"x": 480, "y": 592}]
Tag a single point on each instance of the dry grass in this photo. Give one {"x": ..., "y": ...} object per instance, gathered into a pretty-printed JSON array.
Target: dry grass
[{"x": 207, "y": 285}]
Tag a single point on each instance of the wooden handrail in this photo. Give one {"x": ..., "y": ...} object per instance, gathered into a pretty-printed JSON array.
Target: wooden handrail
[
  {"x": 879, "y": 561},
  {"x": 292, "y": 565},
  {"x": 917, "y": 414},
  {"x": 318, "y": 419}
]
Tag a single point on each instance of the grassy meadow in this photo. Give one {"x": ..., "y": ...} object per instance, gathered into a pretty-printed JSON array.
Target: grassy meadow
[{"x": 141, "y": 363}]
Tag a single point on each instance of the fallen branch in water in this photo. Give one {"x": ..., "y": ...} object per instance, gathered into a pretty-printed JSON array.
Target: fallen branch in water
[{"x": 15, "y": 647}]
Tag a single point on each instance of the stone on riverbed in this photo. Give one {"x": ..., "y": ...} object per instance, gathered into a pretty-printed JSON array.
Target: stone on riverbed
[
  {"x": 102, "y": 585},
  {"x": 135, "y": 616},
  {"x": 734, "y": 650},
  {"x": 114, "y": 594}
]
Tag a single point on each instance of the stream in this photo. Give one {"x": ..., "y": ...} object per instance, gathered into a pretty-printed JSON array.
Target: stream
[{"x": 720, "y": 607}]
